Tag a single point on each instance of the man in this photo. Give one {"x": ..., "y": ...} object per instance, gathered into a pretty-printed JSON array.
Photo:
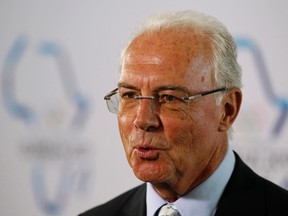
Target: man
[{"x": 177, "y": 98}]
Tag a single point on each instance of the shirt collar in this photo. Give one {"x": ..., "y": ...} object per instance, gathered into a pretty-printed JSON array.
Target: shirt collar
[{"x": 202, "y": 200}]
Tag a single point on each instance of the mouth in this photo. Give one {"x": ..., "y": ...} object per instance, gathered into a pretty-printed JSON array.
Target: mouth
[{"x": 147, "y": 153}]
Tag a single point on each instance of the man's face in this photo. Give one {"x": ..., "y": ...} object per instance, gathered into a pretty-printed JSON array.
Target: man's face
[{"x": 178, "y": 147}]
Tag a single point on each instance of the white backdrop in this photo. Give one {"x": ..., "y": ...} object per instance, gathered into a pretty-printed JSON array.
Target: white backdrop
[{"x": 60, "y": 149}]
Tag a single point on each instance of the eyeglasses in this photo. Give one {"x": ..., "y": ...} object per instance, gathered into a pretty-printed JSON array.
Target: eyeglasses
[{"x": 168, "y": 99}]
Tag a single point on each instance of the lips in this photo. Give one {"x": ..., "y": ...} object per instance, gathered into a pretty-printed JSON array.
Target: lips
[{"x": 147, "y": 153}]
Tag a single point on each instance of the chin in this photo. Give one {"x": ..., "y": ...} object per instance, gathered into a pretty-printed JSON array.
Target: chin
[
  {"x": 150, "y": 172},
  {"x": 151, "y": 179}
]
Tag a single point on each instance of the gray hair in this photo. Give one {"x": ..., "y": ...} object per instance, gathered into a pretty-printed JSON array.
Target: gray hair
[{"x": 227, "y": 72}]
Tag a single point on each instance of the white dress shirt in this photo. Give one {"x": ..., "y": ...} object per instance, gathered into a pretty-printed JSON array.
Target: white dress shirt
[{"x": 202, "y": 200}]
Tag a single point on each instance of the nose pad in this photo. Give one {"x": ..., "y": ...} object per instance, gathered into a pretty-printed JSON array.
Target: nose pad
[
  {"x": 148, "y": 102},
  {"x": 147, "y": 117},
  {"x": 151, "y": 100}
]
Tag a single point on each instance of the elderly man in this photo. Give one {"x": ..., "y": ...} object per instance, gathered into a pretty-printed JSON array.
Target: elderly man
[{"x": 177, "y": 98}]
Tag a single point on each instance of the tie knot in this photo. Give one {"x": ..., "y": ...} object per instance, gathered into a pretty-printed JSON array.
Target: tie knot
[{"x": 169, "y": 210}]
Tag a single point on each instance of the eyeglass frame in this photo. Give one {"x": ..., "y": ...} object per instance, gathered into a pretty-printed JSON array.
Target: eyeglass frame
[{"x": 108, "y": 96}]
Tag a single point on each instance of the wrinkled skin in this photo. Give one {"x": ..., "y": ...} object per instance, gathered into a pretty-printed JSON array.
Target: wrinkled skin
[{"x": 175, "y": 150}]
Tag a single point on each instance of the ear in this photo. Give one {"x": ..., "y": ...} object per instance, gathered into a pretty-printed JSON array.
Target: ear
[{"x": 230, "y": 105}]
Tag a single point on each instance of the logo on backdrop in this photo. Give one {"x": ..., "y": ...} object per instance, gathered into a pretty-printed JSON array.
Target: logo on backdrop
[
  {"x": 53, "y": 126},
  {"x": 263, "y": 139},
  {"x": 278, "y": 101}
]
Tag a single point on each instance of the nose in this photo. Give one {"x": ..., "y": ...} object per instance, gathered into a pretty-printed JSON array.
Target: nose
[{"x": 147, "y": 117}]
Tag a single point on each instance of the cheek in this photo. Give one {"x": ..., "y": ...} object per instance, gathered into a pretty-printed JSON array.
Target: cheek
[
  {"x": 125, "y": 125},
  {"x": 179, "y": 129},
  {"x": 189, "y": 141},
  {"x": 181, "y": 133},
  {"x": 188, "y": 133}
]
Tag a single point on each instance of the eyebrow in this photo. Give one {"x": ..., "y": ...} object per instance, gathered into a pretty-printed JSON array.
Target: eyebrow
[
  {"x": 158, "y": 89},
  {"x": 126, "y": 85},
  {"x": 172, "y": 87}
]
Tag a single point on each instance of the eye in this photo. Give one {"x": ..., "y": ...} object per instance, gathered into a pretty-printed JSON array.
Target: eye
[
  {"x": 168, "y": 98},
  {"x": 128, "y": 95}
]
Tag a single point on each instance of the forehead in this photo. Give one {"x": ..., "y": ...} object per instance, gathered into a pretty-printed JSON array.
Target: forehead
[{"x": 168, "y": 56}]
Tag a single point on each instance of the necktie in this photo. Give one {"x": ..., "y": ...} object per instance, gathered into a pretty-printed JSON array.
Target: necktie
[{"x": 169, "y": 210}]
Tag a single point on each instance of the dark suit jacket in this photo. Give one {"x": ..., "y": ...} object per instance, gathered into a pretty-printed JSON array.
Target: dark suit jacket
[{"x": 246, "y": 194}]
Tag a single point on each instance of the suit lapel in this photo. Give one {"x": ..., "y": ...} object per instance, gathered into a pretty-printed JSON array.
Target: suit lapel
[
  {"x": 243, "y": 194},
  {"x": 136, "y": 205}
]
